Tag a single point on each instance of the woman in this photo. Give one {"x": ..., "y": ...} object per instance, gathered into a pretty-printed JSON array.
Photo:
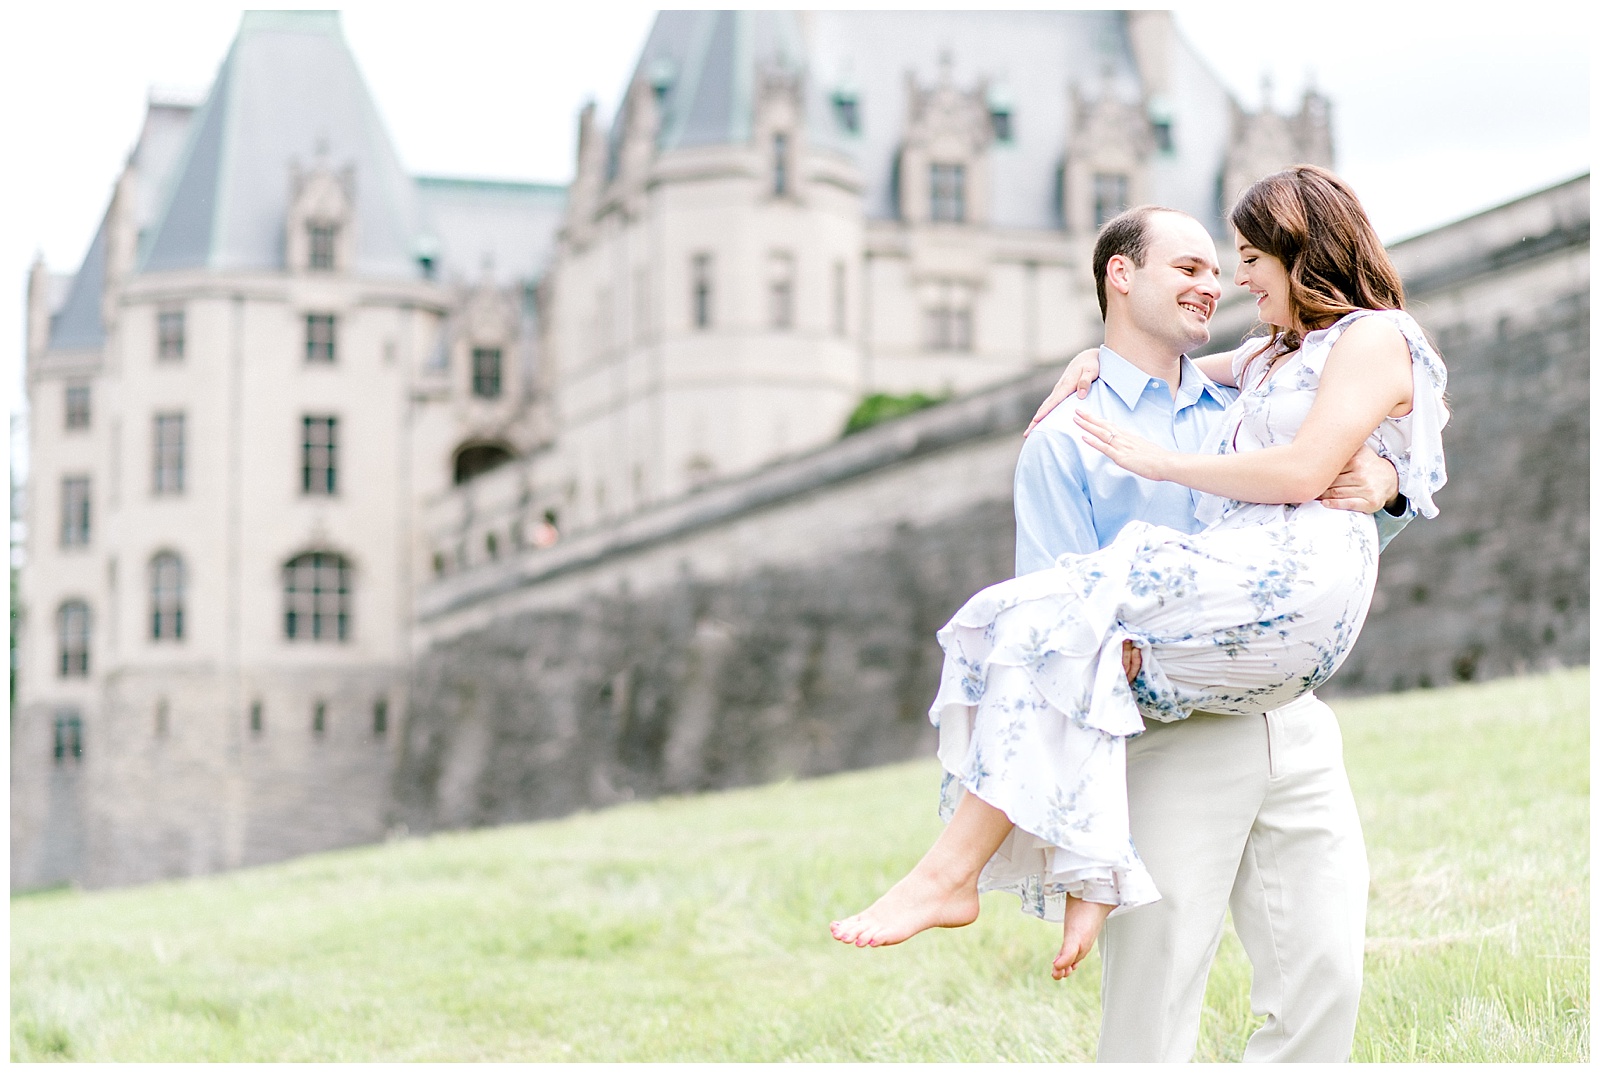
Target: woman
[{"x": 1033, "y": 710}]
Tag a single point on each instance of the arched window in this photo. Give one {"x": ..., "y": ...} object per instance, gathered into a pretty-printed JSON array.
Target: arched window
[
  {"x": 476, "y": 458},
  {"x": 316, "y": 597},
  {"x": 73, "y": 622},
  {"x": 166, "y": 597}
]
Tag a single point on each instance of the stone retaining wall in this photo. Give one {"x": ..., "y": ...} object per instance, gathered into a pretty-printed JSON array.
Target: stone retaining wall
[{"x": 782, "y": 625}]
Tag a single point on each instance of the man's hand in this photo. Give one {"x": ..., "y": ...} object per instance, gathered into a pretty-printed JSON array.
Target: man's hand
[
  {"x": 1081, "y": 371},
  {"x": 1366, "y": 484},
  {"x": 1132, "y": 660}
]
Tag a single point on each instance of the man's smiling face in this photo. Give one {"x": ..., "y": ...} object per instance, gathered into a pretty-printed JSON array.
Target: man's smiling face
[{"x": 1172, "y": 297}]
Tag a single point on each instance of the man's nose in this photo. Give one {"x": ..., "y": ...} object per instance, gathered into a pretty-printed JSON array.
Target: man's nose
[{"x": 1211, "y": 284}]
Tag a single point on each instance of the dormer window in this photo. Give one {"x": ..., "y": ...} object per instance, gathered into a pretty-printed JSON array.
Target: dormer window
[
  {"x": 947, "y": 193},
  {"x": 1000, "y": 123},
  {"x": 1000, "y": 113},
  {"x": 663, "y": 72},
  {"x": 323, "y": 241},
  {"x": 847, "y": 110},
  {"x": 1162, "y": 129},
  {"x": 318, "y": 231},
  {"x": 1161, "y": 124},
  {"x": 427, "y": 255},
  {"x": 1110, "y": 196}
]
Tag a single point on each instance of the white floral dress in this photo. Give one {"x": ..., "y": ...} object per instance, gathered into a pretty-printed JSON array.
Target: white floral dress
[{"x": 1259, "y": 607}]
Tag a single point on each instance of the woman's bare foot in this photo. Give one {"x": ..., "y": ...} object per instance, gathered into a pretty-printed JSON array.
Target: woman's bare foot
[
  {"x": 942, "y": 890},
  {"x": 923, "y": 899},
  {"x": 1078, "y": 931}
]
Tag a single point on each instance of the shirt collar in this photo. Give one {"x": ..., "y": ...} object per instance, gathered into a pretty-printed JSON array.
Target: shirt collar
[{"x": 1129, "y": 381}]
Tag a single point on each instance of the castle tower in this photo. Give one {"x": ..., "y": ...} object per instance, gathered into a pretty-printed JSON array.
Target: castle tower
[
  {"x": 702, "y": 295},
  {"x": 1262, "y": 142},
  {"x": 264, "y": 365}
]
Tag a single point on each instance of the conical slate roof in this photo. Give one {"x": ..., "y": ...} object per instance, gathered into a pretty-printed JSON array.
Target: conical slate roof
[
  {"x": 289, "y": 94},
  {"x": 79, "y": 322}
]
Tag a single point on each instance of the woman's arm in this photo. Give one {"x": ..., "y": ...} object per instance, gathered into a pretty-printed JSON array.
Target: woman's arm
[
  {"x": 1367, "y": 377},
  {"x": 1217, "y": 367},
  {"x": 1081, "y": 371}
]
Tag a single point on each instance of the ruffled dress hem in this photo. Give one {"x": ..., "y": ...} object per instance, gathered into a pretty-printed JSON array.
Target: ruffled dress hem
[{"x": 1043, "y": 889}]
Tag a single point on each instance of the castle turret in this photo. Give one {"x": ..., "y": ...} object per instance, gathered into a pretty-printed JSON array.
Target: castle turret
[
  {"x": 1262, "y": 142},
  {"x": 944, "y": 160},
  {"x": 38, "y": 323},
  {"x": 1106, "y": 168},
  {"x": 589, "y": 178}
]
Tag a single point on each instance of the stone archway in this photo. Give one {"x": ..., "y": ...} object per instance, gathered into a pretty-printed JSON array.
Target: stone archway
[{"x": 473, "y": 459}]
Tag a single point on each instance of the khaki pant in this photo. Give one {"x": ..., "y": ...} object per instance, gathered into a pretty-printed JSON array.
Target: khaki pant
[{"x": 1252, "y": 813}]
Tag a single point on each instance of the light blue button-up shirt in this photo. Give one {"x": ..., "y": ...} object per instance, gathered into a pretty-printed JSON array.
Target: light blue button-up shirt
[{"x": 1070, "y": 497}]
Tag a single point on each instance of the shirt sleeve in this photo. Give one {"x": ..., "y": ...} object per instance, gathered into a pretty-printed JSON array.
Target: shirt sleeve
[
  {"x": 1051, "y": 501},
  {"x": 1389, "y": 525}
]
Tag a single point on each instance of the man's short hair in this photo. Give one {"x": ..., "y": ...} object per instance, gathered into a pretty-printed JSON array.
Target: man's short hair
[{"x": 1126, "y": 234}]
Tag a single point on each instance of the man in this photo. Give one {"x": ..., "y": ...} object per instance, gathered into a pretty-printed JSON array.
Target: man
[{"x": 1249, "y": 812}]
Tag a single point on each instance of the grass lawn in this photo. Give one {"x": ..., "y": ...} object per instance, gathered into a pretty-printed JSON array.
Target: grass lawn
[{"x": 696, "y": 928}]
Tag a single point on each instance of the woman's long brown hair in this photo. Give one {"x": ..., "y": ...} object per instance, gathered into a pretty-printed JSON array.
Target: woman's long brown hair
[{"x": 1306, "y": 217}]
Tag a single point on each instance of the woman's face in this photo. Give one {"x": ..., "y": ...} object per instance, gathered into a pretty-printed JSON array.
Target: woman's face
[{"x": 1268, "y": 281}]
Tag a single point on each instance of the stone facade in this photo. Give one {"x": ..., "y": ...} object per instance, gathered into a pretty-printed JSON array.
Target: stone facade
[{"x": 791, "y": 212}]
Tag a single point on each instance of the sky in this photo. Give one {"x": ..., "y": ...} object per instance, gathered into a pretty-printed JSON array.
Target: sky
[{"x": 1435, "y": 116}]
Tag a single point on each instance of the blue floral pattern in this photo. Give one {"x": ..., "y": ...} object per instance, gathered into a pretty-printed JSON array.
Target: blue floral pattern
[{"x": 1033, "y": 708}]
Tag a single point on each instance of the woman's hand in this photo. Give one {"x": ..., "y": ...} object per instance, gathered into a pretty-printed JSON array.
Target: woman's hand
[
  {"x": 1132, "y": 453},
  {"x": 1081, "y": 371}
]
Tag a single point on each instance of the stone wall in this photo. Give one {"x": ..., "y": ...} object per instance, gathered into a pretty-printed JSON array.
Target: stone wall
[
  {"x": 782, "y": 625},
  {"x": 1499, "y": 582},
  {"x": 176, "y": 778},
  {"x": 701, "y": 683},
  {"x": 773, "y": 627}
]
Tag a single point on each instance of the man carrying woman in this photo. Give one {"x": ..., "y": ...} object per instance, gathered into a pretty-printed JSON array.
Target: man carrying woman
[{"x": 1248, "y": 807}]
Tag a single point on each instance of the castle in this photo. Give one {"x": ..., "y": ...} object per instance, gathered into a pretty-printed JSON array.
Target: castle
[{"x": 270, "y": 408}]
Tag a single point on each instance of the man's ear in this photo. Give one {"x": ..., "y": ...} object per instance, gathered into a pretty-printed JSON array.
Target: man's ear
[{"x": 1119, "y": 273}]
